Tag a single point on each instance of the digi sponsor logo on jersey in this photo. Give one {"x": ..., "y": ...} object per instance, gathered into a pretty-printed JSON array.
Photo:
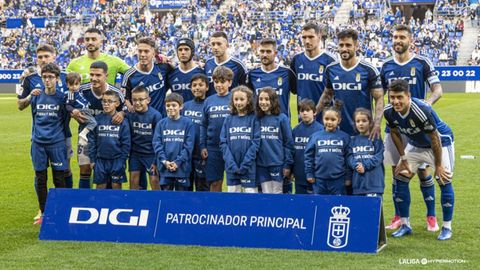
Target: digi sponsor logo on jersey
[
  {"x": 240, "y": 130},
  {"x": 155, "y": 87},
  {"x": 410, "y": 80},
  {"x": 108, "y": 128},
  {"x": 309, "y": 77},
  {"x": 347, "y": 86},
  {"x": 142, "y": 125},
  {"x": 49, "y": 107},
  {"x": 363, "y": 148},
  {"x": 303, "y": 140},
  {"x": 218, "y": 108},
  {"x": 192, "y": 113},
  {"x": 277, "y": 91},
  {"x": 330, "y": 143},
  {"x": 88, "y": 216},
  {"x": 181, "y": 87},
  {"x": 409, "y": 131},
  {"x": 269, "y": 129},
  {"x": 173, "y": 132}
]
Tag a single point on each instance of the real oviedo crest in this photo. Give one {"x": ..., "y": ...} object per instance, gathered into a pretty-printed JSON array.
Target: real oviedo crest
[{"x": 338, "y": 227}]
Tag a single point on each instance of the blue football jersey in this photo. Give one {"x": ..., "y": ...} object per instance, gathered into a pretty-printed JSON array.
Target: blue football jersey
[
  {"x": 420, "y": 120},
  {"x": 282, "y": 79},
  {"x": 49, "y": 115},
  {"x": 179, "y": 81},
  {"x": 352, "y": 86},
  {"x": 155, "y": 81},
  {"x": 419, "y": 72},
  {"x": 310, "y": 73},
  {"x": 236, "y": 65}
]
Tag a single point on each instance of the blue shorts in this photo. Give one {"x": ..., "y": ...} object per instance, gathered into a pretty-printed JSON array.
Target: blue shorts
[
  {"x": 109, "y": 169},
  {"x": 215, "y": 166},
  {"x": 171, "y": 181},
  {"x": 139, "y": 164},
  {"x": 329, "y": 187},
  {"x": 273, "y": 173},
  {"x": 246, "y": 181},
  {"x": 303, "y": 188},
  {"x": 45, "y": 154}
]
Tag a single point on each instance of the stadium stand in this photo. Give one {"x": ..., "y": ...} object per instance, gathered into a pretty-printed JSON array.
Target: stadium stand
[{"x": 438, "y": 36}]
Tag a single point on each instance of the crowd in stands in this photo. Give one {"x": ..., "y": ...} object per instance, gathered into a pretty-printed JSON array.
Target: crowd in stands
[
  {"x": 246, "y": 22},
  {"x": 475, "y": 59}
]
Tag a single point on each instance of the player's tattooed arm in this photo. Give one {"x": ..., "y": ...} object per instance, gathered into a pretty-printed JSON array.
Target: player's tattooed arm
[
  {"x": 377, "y": 94},
  {"x": 440, "y": 172},
  {"x": 25, "y": 102},
  {"x": 325, "y": 99},
  {"x": 436, "y": 93}
]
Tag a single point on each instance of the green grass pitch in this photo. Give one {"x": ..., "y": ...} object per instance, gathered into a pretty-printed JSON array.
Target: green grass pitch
[{"x": 21, "y": 249}]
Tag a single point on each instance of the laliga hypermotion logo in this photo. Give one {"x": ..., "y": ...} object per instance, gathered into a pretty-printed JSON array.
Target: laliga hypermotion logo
[{"x": 338, "y": 227}]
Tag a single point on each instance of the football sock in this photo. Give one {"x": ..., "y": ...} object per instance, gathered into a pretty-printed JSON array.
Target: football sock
[
  {"x": 68, "y": 179},
  {"x": 58, "y": 179},
  {"x": 427, "y": 186},
  {"x": 394, "y": 186},
  {"x": 405, "y": 221},
  {"x": 143, "y": 184},
  {"x": 448, "y": 201},
  {"x": 447, "y": 224},
  {"x": 402, "y": 198},
  {"x": 84, "y": 181},
  {"x": 41, "y": 188}
]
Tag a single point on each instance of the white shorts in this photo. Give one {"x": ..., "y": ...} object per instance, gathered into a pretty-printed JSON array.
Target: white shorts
[
  {"x": 82, "y": 155},
  {"x": 391, "y": 157},
  {"x": 68, "y": 143},
  {"x": 416, "y": 157}
]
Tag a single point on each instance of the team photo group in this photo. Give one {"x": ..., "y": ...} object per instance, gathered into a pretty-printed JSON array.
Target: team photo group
[{"x": 186, "y": 126}]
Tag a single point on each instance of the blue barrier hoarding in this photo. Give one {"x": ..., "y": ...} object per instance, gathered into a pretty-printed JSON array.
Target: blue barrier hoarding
[
  {"x": 10, "y": 76},
  {"x": 445, "y": 73},
  {"x": 168, "y": 4},
  {"x": 459, "y": 73},
  {"x": 330, "y": 223}
]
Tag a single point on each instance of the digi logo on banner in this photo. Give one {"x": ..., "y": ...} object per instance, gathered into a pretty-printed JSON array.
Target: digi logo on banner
[
  {"x": 330, "y": 223},
  {"x": 106, "y": 215}
]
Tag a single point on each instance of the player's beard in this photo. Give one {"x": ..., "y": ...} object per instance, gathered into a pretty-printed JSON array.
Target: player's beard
[
  {"x": 404, "y": 48},
  {"x": 95, "y": 48},
  {"x": 348, "y": 55}
]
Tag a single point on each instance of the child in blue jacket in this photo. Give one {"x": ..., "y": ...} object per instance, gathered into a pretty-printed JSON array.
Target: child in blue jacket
[
  {"x": 239, "y": 141},
  {"x": 365, "y": 157},
  {"x": 275, "y": 155},
  {"x": 173, "y": 143},
  {"x": 326, "y": 155}
]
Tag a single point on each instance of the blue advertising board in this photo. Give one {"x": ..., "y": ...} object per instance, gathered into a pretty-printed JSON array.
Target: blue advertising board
[
  {"x": 459, "y": 73},
  {"x": 445, "y": 73},
  {"x": 168, "y": 4},
  {"x": 17, "y": 22},
  {"x": 330, "y": 223}
]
